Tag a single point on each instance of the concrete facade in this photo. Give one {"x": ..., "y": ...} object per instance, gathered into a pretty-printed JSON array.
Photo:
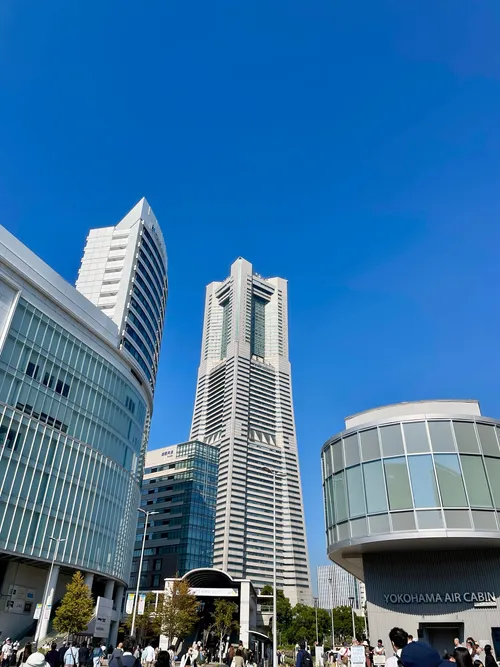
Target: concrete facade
[
  {"x": 244, "y": 406},
  {"x": 412, "y": 500}
]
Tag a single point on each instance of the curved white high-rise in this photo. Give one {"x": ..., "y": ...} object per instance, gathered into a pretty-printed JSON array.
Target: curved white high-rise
[
  {"x": 124, "y": 273},
  {"x": 244, "y": 405}
]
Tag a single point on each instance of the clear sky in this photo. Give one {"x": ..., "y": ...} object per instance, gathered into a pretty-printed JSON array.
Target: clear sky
[{"x": 349, "y": 146}]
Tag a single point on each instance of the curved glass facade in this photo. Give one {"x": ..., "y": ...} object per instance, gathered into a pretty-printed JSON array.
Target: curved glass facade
[
  {"x": 71, "y": 438},
  {"x": 432, "y": 474},
  {"x": 144, "y": 327}
]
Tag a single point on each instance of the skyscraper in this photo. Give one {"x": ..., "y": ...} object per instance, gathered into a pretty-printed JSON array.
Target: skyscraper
[
  {"x": 180, "y": 485},
  {"x": 336, "y": 586},
  {"x": 124, "y": 273},
  {"x": 75, "y": 408},
  {"x": 244, "y": 406}
]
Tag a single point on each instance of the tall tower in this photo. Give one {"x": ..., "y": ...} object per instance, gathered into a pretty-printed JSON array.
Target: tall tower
[
  {"x": 244, "y": 406},
  {"x": 124, "y": 273}
]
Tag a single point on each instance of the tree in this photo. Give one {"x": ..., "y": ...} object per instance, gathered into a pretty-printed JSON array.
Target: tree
[
  {"x": 77, "y": 607},
  {"x": 302, "y": 625},
  {"x": 223, "y": 620},
  {"x": 343, "y": 623},
  {"x": 283, "y": 606},
  {"x": 178, "y": 611},
  {"x": 147, "y": 625}
]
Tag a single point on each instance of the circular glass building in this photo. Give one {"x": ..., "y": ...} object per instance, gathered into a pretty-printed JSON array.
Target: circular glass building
[{"x": 411, "y": 494}]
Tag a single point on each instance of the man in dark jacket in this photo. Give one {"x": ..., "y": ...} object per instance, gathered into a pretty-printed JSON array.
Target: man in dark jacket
[
  {"x": 303, "y": 657},
  {"x": 420, "y": 654},
  {"x": 126, "y": 659},
  {"x": 52, "y": 656},
  {"x": 83, "y": 655},
  {"x": 62, "y": 653},
  {"x": 118, "y": 651}
]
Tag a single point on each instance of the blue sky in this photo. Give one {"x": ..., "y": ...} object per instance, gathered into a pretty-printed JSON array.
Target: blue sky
[{"x": 351, "y": 147}]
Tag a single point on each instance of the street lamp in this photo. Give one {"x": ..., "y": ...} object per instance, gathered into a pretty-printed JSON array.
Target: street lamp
[
  {"x": 333, "y": 625},
  {"x": 57, "y": 541},
  {"x": 136, "y": 600},
  {"x": 274, "y": 473},
  {"x": 351, "y": 600},
  {"x": 316, "y": 614}
]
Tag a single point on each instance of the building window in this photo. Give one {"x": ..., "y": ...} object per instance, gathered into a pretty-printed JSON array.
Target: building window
[
  {"x": 157, "y": 565},
  {"x": 398, "y": 484},
  {"x": 450, "y": 480},
  {"x": 32, "y": 370},
  {"x": 376, "y": 498},
  {"x": 156, "y": 580},
  {"x": 423, "y": 481}
]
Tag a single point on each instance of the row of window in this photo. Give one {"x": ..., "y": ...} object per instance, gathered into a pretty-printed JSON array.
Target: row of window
[
  {"x": 420, "y": 481},
  {"x": 412, "y": 438},
  {"x": 61, "y": 387},
  {"x": 153, "y": 300},
  {"x": 160, "y": 260},
  {"x": 152, "y": 255}
]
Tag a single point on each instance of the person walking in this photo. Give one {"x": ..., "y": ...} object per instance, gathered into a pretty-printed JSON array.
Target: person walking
[
  {"x": 489, "y": 658},
  {"x": 379, "y": 648},
  {"x": 126, "y": 659},
  {"x": 117, "y": 652},
  {"x": 6, "y": 652},
  {"x": 62, "y": 652},
  {"x": 97, "y": 656},
  {"x": 26, "y": 652},
  {"x": 36, "y": 659},
  {"x": 52, "y": 656},
  {"x": 399, "y": 639},
  {"x": 71, "y": 656},
  {"x": 148, "y": 656},
  {"x": 83, "y": 655},
  {"x": 303, "y": 656}
]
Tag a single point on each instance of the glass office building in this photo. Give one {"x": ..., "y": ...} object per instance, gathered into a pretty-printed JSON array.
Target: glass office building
[
  {"x": 75, "y": 410},
  {"x": 180, "y": 485},
  {"x": 412, "y": 500}
]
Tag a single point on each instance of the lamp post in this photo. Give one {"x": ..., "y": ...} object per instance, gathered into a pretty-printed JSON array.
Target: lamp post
[
  {"x": 333, "y": 624},
  {"x": 351, "y": 600},
  {"x": 46, "y": 592},
  {"x": 275, "y": 474},
  {"x": 316, "y": 614},
  {"x": 136, "y": 600}
]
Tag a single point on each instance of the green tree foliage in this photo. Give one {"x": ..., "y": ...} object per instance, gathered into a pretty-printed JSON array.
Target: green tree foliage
[
  {"x": 147, "y": 625},
  {"x": 77, "y": 607},
  {"x": 223, "y": 620},
  {"x": 284, "y": 608},
  {"x": 178, "y": 611},
  {"x": 303, "y": 625}
]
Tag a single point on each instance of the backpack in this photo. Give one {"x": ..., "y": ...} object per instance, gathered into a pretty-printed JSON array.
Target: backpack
[{"x": 307, "y": 660}]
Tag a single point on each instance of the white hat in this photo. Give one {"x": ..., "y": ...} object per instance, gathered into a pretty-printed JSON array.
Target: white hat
[{"x": 36, "y": 659}]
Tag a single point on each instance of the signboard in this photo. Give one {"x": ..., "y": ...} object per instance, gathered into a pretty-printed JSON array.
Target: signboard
[
  {"x": 170, "y": 452},
  {"x": 379, "y": 659},
  {"x": 215, "y": 592},
  {"x": 358, "y": 656},
  {"x": 38, "y": 611},
  {"x": 129, "y": 607},
  {"x": 436, "y": 598},
  {"x": 142, "y": 604},
  {"x": 103, "y": 613}
]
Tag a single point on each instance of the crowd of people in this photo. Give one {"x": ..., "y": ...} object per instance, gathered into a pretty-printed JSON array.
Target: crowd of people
[{"x": 406, "y": 651}]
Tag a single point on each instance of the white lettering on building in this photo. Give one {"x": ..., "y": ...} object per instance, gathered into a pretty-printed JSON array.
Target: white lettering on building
[{"x": 433, "y": 598}]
